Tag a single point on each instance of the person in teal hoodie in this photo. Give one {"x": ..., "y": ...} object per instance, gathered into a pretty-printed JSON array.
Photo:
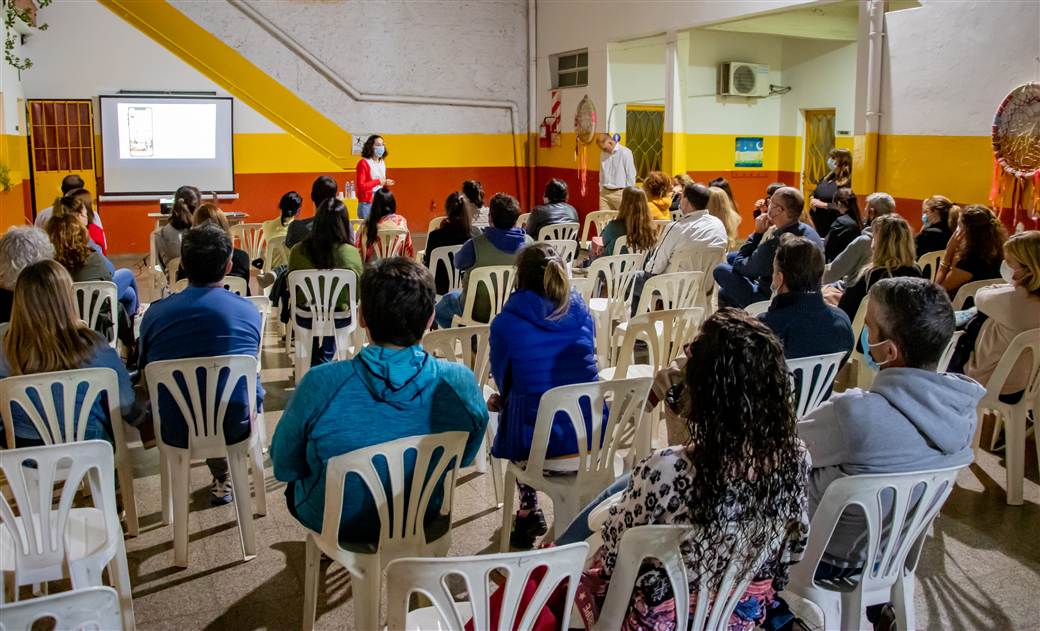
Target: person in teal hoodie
[
  {"x": 392, "y": 389},
  {"x": 543, "y": 338}
]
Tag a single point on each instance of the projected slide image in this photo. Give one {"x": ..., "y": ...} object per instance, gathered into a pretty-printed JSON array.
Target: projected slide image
[{"x": 167, "y": 131}]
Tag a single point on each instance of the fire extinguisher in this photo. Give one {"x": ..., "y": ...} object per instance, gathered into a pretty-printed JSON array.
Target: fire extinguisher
[{"x": 545, "y": 137}]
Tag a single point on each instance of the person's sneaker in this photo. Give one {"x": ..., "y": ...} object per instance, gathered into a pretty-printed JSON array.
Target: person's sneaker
[
  {"x": 266, "y": 279},
  {"x": 526, "y": 529},
  {"x": 221, "y": 492}
]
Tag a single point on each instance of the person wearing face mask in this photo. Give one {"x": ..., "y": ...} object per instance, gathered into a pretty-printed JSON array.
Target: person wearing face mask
[
  {"x": 938, "y": 220},
  {"x": 821, "y": 203},
  {"x": 846, "y": 266},
  {"x": 1006, "y": 311},
  {"x": 370, "y": 173},
  {"x": 617, "y": 170},
  {"x": 911, "y": 419}
]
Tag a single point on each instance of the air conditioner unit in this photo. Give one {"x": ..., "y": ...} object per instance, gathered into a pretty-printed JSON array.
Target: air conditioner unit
[{"x": 737, "y": 78}]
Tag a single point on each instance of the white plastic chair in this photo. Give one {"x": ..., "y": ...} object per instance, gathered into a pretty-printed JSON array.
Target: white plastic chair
[
  {"x": 901, "y": 503},
  {"x": 929, "y": 264},
  {"x": 567, "y": 249},
  {"x": 155, "y": 268},
  {"x": 947, "y": 354},
  {"x": 661, "y": 225},
  {"x": 42, "y": 541},
  {"x": 814, "y": 377},
  {"x": 676, "y": 214},
  {"x": 320, "y": 290},
  {"x": 598, "y": 460},
  {"x": 444, "y": 258},
  {"x": 204, "y": 422},
  {"x": 521, "y": 221},
  {"x": 276, "y": 253},
  {"x": 92, "y": 297},
  {"x": 566, "y": 231},
  {"x": 434, "y": 224},
  {"x": 862, "y": 374},
  {"x": 356, "y": 226},
  {"x": 599, "y": 219},
  {"x": 621, "y": 247},
  {"x": 758, "y": 308},
  {"x": 678, "y": 290},
  {"x": 263, "y": 305},
  {"x": 172, "y": 266},
  {"x": 249, "y": 237},
  {"x": 430, "y": 578},
  {"x": 968, "y": 290},
  {"x": 236, "y": 285},
  {"x": 615, "y": 275},
  {"x": 391, "y": 242},
  {"x": 1013, "y": 417},
  {"x": 496, "y": 281},
  {"x": 713, "y": 607},
  {"x": 71, "y": 425},
  {"x": 402, "y": 532},
  {"x": 79, "y": 610},
  {"x": 700, "y": 260}
]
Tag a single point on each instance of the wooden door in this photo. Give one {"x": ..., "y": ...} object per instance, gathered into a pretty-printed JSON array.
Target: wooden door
[
  {"x": 818, "y": 142},
  {"x": 644, "y": 135},
  {"x": 61, "y": 142}
]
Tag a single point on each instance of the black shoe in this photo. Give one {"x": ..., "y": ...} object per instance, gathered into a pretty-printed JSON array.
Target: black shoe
[{"x": 526, "y": 529}]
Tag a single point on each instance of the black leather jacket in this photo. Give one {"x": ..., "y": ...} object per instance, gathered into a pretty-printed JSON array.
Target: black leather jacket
[{"x": 549, "y": 214}]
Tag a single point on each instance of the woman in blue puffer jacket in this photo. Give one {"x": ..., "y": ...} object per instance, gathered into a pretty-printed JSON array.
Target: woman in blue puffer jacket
[{"x": 543, "y": 338}]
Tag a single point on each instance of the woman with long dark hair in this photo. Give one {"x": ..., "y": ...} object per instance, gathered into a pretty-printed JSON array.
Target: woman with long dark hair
[
  {"x": 743, "y": 468},
  {"x": 473, "y": 195},
  {"x": 288, "y": 207},
  {"x": 370, "y": 173},
  {"x": 186, "y": 201},
  {"x": 383, "y": 215},
  {"x": 456, "y": 229},
  {"x": 821, "y": 203},
  {"x": 975, "y": 251},
  {"x": 845, "y": 227}
]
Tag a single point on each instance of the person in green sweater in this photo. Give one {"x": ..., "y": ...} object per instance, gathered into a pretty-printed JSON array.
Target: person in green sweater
[
  {"x": 392, "y": 389},
  {"x": 327, "y": 247}
]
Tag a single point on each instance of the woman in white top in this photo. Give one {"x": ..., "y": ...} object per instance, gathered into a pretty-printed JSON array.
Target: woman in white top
[{"x": 370, "y": 173}]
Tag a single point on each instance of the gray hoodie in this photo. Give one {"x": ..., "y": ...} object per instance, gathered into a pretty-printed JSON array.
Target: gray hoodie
[{"x": 910, "y": 420}]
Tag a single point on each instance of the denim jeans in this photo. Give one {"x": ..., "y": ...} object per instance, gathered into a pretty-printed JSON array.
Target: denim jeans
[
  {"x": 126, "y": 289},
  {"x": 448, "y": 307},
  {"x": 578, "y": 530},
  {"x": 363, "y": 208},
  {"x": 735, "y": 289}
]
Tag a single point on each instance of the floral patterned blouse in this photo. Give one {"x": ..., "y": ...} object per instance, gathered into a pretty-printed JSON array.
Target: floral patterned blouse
[
  {"x": 658, "y": 493},
  {"x": 368, "y": 250}
]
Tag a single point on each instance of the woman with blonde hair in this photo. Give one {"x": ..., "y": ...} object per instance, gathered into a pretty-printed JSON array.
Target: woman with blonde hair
[
  {"x": 939, "y": 218},
  {"x": 633, "y": 222},
  {"x": 975, "y": 250},
  {"x": 543, "y": 338},
  {"x": 46, "y": 335},
  {"x": 658, "y": 194},
  {"x": 1008, "y": 310},
  {"x": 892, "y": 255},
  {"x": 720, "y": 207},
  {"x": 821, "y": 203},
  {"x": 72, "y": 249}
]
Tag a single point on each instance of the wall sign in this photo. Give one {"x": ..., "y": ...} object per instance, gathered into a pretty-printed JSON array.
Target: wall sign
[
  {"x": 748, "y": 152},
  {"x": 358, "y": 143}
]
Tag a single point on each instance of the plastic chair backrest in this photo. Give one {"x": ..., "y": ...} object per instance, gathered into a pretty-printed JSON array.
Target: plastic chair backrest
[
  {"x": 431, "y": 577},
  {"x": 401, "y": 525},
  {"x": 434, "y": 224},
  {"x": 968, "y": 290},
  {"x": 320, "y": 289},
  {"x": 758, "y": 308},
  {"x": 676, "y": 214},
  {"x": 617, "y": 273},
  {"x": 814, "y": 376},
  {"x": 54, "y": 392},
  {"x": 599, "y": 219},
  {"x": 249, "y": 237},
  {"x": 444, "y": 257},
  {"x": 172, "y": 266},
  {"x": 91, "y": 300},
  {"x": 521, "y": 221},
  {"x": 898, "y": 509},
  {"x": 235, "y": 284},
  {"x": 38, "y": 537},
  {"x": 263, "y": 305},
  {"x": 858, "y": 322},
  {"x": 598, "y": 443},
  {"x": 662, "y": 542},
  {"x": 665, "y": 334},
  {"x": 929, "y": 264},
  {"x": 947, "y": 355},
  {"x": 497, "y": 282},
  {"x": 661, "y": 225},
  {"x": 1021, "y": 343},
  {"x": 356, "y": 226},
  {"x": 466, "y": 345},
  {"x": 566, "y": 248},
  {"x": 83, "y": 609},
  {"x": 276, "y": 253},
  {"x": 204, "y": 417},
  {"x": 678, "y": 290},
  {"x": 621, "y": 247},
  {"x": 700, "y": 260},
  {"x": 391, "y": 242},
  {"x": 566, "y": 231}
]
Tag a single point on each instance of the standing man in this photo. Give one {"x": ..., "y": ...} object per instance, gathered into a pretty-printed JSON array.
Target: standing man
[{"x": 616, "y": 171}]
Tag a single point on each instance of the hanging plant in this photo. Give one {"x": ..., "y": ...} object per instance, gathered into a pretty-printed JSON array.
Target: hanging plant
[
  {"x": 27, "y": 15},
  {"x": 5, "y": 178}
]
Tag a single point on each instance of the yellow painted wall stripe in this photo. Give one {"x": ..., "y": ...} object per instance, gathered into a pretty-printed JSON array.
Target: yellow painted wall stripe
[
  {"x": 959, "y": 167},
  {"x": 228, "y": 68}
]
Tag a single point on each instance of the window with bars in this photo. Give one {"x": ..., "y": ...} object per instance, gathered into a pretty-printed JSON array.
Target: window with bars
[
  {"x": 570, "y": 70},
  {"x": 62, "y": 135}
]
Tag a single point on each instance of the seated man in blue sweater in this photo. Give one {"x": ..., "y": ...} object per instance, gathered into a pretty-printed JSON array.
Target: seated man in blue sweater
[
  {"x": 745, "y": 276},
  {"x": 805, "y": 324},
  {"x": 392, "y": 389},
  {"x": 204, "y": 320}
]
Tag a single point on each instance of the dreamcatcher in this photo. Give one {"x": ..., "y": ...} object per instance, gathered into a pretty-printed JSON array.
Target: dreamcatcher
[
  {"x": 584, "y": 134},
  {"x": 1016, "y": 153}
]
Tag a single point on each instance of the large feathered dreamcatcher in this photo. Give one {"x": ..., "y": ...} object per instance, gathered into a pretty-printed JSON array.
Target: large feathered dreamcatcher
[{"x": 1016, "y": 154}]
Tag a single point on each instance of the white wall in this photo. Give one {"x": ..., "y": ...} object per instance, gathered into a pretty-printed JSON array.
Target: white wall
[
  {"x": 452, "y": 49},
  {"x": 11, "y": 86},
  {"x": 636, "y": 76},
  {"x": 948, "y": 65},
  {"x": 821, "y": 75},
  {"x": 113, "y": 56}
]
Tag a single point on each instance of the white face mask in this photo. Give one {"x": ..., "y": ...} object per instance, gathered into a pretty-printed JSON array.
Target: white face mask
[
  {"x": 831, "y": 163},
  {"x": 1007, "y": 273}
]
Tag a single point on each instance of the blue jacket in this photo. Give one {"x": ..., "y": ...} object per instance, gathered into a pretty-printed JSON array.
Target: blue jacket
[
  {"x": 531, "y": 354},
  {"x": 506, "y": 240},
  {"x": 808, "y": 326},
  {"x": 755, "y": 258},
  {"x": 379, "y": 396}
]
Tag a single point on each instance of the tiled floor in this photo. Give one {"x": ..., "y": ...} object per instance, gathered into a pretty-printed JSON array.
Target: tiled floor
[{"x": 979, "y": 570}]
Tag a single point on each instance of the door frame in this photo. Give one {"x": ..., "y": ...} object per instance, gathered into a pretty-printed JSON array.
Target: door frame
[{"x": 805, "y": 112}]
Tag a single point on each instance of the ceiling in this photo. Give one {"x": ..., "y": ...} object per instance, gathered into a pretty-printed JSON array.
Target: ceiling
[{"x": 836, "y": 21}]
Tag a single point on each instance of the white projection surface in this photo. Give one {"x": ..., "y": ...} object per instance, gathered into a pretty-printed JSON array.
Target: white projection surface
[{"x": 152, "y": 145}]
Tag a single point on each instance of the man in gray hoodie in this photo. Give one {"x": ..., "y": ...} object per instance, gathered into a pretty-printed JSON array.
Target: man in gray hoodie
[{"x": 911, "y": 419}]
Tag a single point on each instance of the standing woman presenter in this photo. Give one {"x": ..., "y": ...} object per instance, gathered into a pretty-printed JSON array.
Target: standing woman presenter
[{"x": 371, "y": 173}]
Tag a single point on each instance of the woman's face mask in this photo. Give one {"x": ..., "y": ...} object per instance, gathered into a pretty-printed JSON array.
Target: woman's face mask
[
  {"x": 379, "y": 150},
  {"x": 1007, "y": 272},
  {"x": 832, "y": 163}
]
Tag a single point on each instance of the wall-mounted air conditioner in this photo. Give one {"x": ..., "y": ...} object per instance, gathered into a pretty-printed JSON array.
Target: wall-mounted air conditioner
[{"x": 737, "y": 78}]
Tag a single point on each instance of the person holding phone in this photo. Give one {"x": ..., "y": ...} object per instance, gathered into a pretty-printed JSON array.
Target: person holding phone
[{"x": 370, "y": 173}]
